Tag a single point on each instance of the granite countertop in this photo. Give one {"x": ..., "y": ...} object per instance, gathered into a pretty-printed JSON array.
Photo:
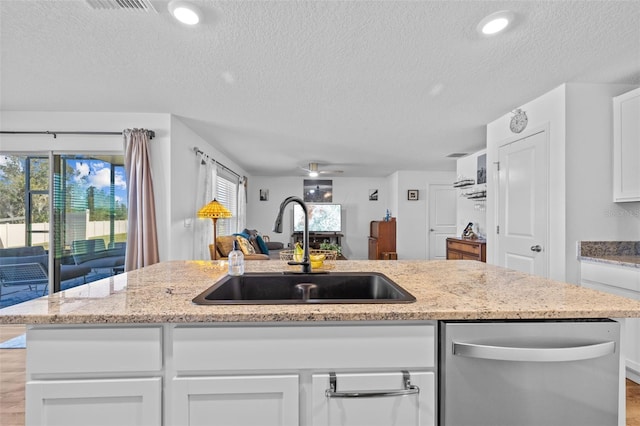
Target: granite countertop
[
  {"x": 620, "y": 253},
  {"x": 459, "y": 289},
  {"x": 628, "y": 261}
]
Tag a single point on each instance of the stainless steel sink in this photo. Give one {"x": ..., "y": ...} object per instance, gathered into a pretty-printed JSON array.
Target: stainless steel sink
[{"x": 280, "y": 288}]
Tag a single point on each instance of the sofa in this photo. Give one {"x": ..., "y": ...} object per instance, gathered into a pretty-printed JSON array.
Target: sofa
[
  {"x": 253, "y": 245},
  {"x": 224, "y": 245},
  {"x": 30, "y": 266},
  {"x": 95, "y": 255}
]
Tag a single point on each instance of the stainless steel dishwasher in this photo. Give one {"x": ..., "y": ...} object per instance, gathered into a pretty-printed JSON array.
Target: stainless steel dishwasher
[{"x": 525, "y": 373}]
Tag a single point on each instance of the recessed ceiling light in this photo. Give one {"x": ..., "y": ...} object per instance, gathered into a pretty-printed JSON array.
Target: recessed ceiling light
[
  {"x": 185, "y": 12},
  {"x": 495, "y": 23}
]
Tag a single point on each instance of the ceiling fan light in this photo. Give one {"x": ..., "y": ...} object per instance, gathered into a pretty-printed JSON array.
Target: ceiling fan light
[{"x": 185, "y": 12}]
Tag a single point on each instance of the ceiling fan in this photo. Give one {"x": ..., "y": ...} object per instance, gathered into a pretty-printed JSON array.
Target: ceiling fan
[{"x": 313, "y": 170}]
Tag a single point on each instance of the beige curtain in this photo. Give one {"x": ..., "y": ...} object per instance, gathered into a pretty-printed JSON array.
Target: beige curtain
[
  {"x": 205, "y": 190},
  {"x": 142, "y": 239}
]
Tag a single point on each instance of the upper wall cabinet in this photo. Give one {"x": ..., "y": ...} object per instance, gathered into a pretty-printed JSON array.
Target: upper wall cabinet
[{"x": 626, "y": 147}]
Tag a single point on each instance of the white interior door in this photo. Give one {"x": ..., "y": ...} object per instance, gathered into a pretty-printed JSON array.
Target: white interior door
[
  {"x": 523, "y": 200},
  {"x": 443, "y": 200}
]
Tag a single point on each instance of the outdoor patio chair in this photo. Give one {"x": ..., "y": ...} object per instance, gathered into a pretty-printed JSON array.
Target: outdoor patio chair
[{"x": 23, "y": 274}]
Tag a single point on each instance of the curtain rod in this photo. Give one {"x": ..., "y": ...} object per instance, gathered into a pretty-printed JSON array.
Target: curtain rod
[
  {"x": 55, "y": 134},
  {"x": 199, "y": 151}
]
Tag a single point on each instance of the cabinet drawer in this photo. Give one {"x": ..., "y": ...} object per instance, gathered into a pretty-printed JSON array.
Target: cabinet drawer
[
  {"x": 611, "y": 275},
  {"x": 467, "y": 248},
  {"x": 93, "y": 349},
  {"x": 454, "y": 255},
  {"x": 286, "y": 347}
]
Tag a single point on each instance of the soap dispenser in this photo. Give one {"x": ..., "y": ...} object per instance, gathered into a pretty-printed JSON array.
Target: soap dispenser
[{"x": 236, "y": 261}]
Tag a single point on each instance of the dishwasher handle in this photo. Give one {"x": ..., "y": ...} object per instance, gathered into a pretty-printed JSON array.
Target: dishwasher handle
[
  {"x": 409, "y": 389},
  {"x": 539, "y": 354}
]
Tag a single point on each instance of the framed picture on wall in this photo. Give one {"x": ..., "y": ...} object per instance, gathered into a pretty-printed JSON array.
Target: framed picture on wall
[
  {"x": 412, "y": 195},
  {"x": 482, "y": 169},
  {"x": 373, "y": 195},
  {"x": 318, "y": 190},
  {"x": 264, "y": 195}
]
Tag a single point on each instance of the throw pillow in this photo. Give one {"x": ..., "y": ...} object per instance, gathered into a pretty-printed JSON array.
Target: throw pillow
[
  {"x": 245, "y": 245},
  {"x": 263, "y": 246},
  {"x": 224, "y": 244},
  {"x": 255, "y": 245}
]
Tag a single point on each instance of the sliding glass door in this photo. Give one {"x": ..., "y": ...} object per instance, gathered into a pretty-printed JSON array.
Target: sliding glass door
[{"x": 63, "y": 222}]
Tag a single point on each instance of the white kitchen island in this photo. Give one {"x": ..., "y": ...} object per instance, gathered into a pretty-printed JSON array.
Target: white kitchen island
[{"x": 133, "y": 350}]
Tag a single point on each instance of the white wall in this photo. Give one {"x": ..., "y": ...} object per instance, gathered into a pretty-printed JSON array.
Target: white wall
[
  {"x": 578, "y": 117},
  {"x": 470, "y": 210},
  {"x": 413, "y": 216},
  {"x": 174, "y": 173},
  {"x": 547, "y": 110},
  {"x": 183, "y": 169},
  {"x": 591, "y": 213},
  {"x": 358, "y": 211},
  {"x": 351, "y": 193}
]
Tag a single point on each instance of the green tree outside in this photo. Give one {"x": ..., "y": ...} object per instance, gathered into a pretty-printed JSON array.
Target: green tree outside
[{"x": 78, "y": 194}]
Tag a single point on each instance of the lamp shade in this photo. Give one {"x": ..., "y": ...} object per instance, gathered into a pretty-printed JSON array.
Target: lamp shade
[{"x": 214, "y": 210}]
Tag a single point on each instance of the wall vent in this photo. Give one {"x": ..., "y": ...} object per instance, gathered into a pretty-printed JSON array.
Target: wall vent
[
  {"x": 130, "y": 5},
  {"x": 457, "y": 155}
]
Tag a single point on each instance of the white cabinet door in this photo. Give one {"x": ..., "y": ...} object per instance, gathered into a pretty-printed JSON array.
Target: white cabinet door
[
  {"x": 105, "y": 402},
  {"x": 632, "y": 350},
  {"x": 625, "y": 282},
  {"x": 236, "y": 401},
  {"x": 626, "y": 147},
  {"x": 409, "y": 410}
]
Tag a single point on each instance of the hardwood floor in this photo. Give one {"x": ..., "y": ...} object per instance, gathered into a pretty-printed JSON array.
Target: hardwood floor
[
  {"x": 633, "y": 404},
  {"x": 12, "y": 371}
]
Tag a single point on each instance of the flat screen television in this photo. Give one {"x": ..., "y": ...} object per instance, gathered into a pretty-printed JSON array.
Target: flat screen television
[{"x": 322, "y": 218}]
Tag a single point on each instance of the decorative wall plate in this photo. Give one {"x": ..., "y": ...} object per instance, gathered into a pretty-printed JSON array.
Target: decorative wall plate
[{"x": 518, "y": 121}]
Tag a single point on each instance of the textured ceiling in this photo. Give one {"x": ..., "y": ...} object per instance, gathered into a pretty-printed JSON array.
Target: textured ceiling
[{"x": 369, "y": 87}]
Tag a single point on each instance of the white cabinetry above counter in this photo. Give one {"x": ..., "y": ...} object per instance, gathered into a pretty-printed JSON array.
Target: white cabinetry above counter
[{"x": 626, "y": 147}]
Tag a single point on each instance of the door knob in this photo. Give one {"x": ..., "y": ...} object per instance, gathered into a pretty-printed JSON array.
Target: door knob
[{"x": 536, "y": 248}]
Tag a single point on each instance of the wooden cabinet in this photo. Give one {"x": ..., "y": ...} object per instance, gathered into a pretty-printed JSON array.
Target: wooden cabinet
[
  {"x": 626, "y": 147},
  {"x": 622, "y": 281},
  {"x": 459, "y": 248},
  {"x": 382, "y": 240},
  {"x": 317, "y": 238}
]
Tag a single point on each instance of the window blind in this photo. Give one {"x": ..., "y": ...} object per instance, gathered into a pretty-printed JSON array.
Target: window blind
[{"x": 227, "y": 195}]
